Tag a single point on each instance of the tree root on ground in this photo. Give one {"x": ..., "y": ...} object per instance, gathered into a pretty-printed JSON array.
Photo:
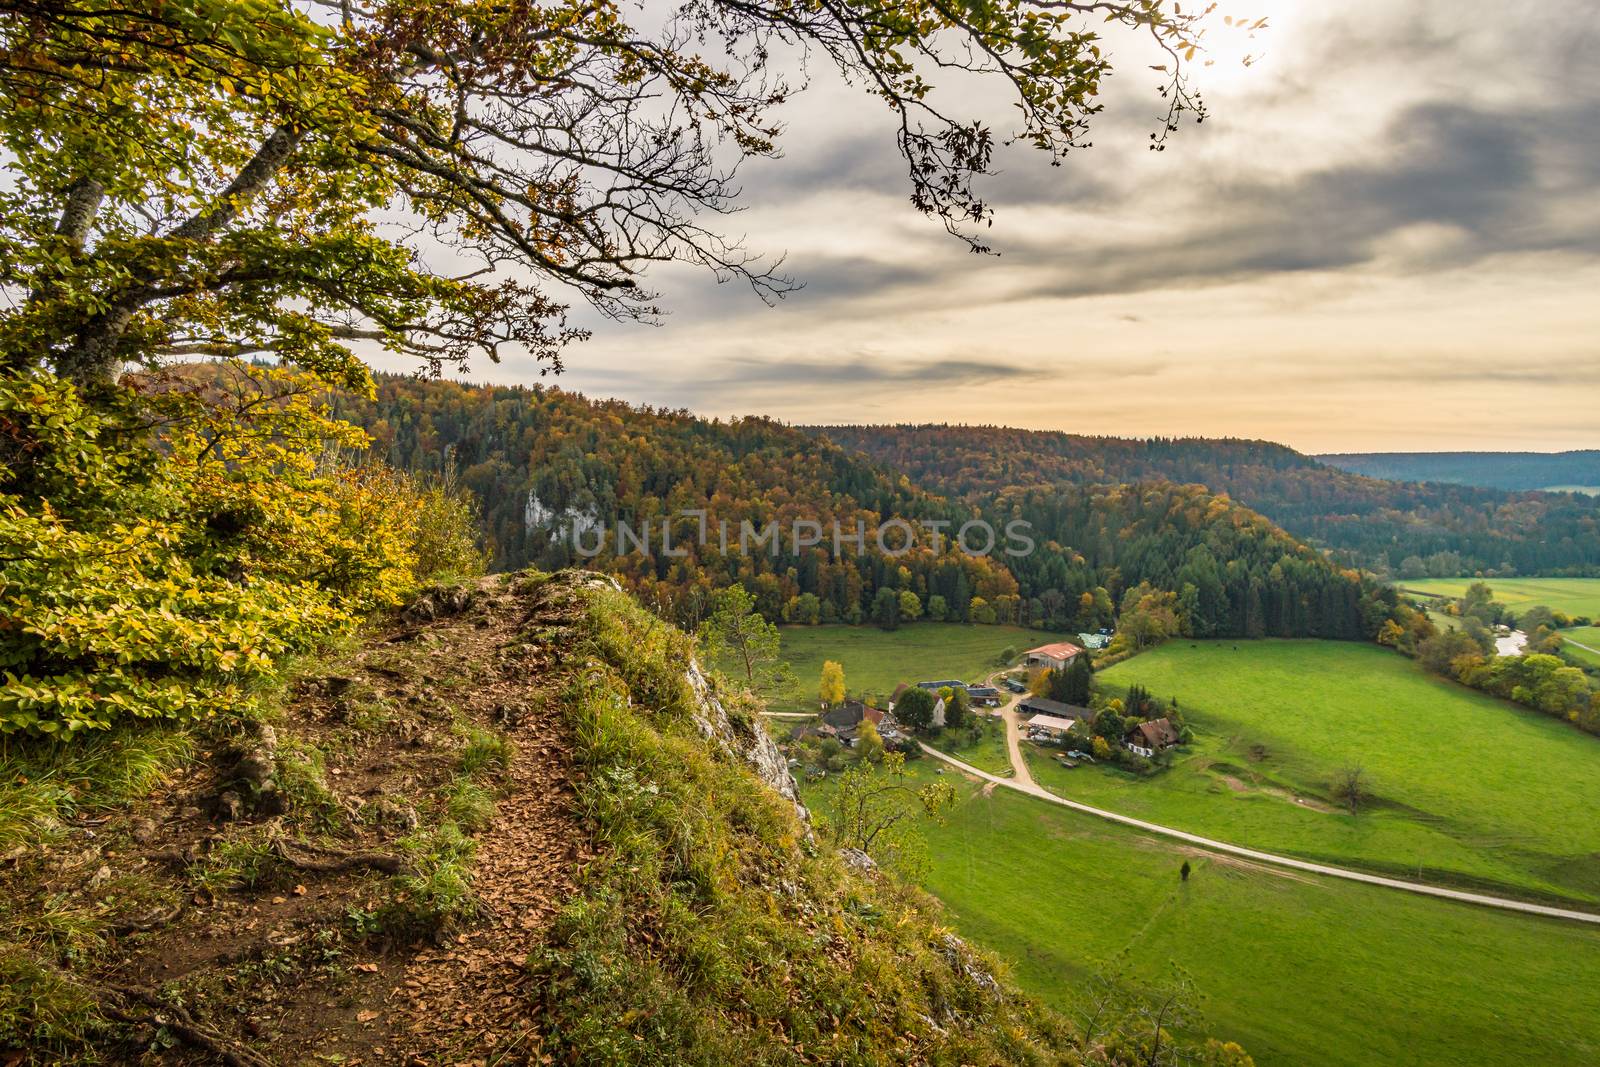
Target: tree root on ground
[
  {"x": 178, "y": 1022},
  {"x": 322, "y": 860}
]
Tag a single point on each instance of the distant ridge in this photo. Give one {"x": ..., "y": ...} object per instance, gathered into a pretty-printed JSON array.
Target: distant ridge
[
  {"x": 1397, "y": 522},
  {"x": 1490, "y": 470}
]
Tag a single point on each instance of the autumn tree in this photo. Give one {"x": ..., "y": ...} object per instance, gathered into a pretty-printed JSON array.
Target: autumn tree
[
  {"x": 831, "y": 690},
  {"x": 736, "y": 636},
  {"x": 1149, "y": 616},
  {"x": 869, "y": 742},
  {"x": 441, "y": 178},
  {"x": 910, "y": 606},
  {"x": 875, "y": 808}
]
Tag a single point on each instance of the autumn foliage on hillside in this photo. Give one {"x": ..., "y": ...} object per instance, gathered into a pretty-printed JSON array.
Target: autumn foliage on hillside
[
  {"x": 541, "y": 460},
  {"x": 1404, "y": 529}
]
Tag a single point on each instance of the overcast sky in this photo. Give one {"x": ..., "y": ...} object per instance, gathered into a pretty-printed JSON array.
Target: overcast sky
[{"x": 1386, "y": 236}]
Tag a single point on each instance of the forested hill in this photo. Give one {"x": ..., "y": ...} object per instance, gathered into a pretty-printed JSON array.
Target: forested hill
[
  {"x": 1403, "y": 529},
  {"x": 553, "y": 470},
  {"x": 1492, "y": 470}
]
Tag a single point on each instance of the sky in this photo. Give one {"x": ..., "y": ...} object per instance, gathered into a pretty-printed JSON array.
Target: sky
[{"x": 1385, "y": 236}]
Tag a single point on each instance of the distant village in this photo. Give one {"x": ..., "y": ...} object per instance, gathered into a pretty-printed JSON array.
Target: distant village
[{"x": 1046, "y": 694}]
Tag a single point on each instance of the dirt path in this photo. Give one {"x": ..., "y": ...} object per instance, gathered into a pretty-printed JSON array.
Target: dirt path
[
  {"x": 333, "y": 934},
  {"x": 1010, "y": 722},
  {"x": 1222, "y": 847}
]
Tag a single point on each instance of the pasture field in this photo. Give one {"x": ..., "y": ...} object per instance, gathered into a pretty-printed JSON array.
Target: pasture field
[
  {"x": 1583, "y": 635},
  {"x": 875, "y": 661},
  {"x": 1301, "y": 970},
  {"x": 1465, "y": 789},
  {"x": 1575, "y": 596}
]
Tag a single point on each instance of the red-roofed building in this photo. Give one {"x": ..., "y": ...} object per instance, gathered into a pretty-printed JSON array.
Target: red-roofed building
[{"x": 1052, "y": 657}]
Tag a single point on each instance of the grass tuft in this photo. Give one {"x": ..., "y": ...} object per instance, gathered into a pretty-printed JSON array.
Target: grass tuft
[{"x": 485, "y": 752}]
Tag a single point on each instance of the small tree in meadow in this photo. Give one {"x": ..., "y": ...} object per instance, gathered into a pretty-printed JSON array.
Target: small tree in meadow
[{"x": 831, "y": 689}]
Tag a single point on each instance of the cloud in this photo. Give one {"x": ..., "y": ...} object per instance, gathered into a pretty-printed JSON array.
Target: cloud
[
  {"x": 1474, "y": 173},
  {"x": 1401, "y": 203},
  {"x": 862, "y": 370}
]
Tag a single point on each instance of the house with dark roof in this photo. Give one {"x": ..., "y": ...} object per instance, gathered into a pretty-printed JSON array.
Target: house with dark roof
[
  {"x": 1147, "y": 738},
  {"x": 845, "y": 720},
  {"x": 808, "y": 730},
  {"x": 845, "y": 715},
  {"x": 984, "y": 695}
]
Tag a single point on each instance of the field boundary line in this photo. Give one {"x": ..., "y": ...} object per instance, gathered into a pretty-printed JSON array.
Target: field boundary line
[{"x": 1210, "y": 844}]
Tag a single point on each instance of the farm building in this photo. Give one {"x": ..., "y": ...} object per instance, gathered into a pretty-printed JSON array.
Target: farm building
[
  {"x": 1052, "y": 656},
  {"x": 1044, "y": 706},
  {"x": 845, "y": 715},
  {"x": 849, "y": 715},
  {"x": 1148, "y": 738},
  {"x": 1094, "y": 641},
  {"x": 1048, "y": 727},
  {"x": 984, "y": 695}
]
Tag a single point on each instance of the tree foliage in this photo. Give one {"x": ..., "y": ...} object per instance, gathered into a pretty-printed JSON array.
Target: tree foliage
[
  {"x": 241, "y": 176},
  {"x": 165, "y": 550},
  {"x": 831, "y": 689},
  {"x": 915, "y": 708},
  {"x": 875, "y": 807},
  {"x": 736, "y": 635}
]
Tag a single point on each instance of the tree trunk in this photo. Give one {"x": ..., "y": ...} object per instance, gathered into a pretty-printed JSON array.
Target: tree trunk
[{"x": 93, "y": 357}]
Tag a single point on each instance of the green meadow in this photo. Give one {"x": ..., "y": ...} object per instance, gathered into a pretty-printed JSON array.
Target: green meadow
[
  {"x": 1583, "y": 635},
  {"x": 1300, "y": 970},
  {"x": 1464, "y": 788},
  {"x": 875, "y": 661},
  {"x": 987, "y": 752},
  {"x": 1575, "y": 596}
]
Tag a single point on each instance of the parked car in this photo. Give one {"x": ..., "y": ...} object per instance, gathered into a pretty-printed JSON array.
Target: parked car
[{"x": 1015, "y": 686}]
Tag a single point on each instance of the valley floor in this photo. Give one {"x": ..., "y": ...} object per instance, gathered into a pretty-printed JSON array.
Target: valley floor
[
  {"x": 1298, "y": 968},
  {"x": 1463, "y": 789},
  {"x": 1575, "y": 596}
]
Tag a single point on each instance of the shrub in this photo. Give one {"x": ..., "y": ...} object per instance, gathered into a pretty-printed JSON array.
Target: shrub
[{"x": 169, "y": 544}]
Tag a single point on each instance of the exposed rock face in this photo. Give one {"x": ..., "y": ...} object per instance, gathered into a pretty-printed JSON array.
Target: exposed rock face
[
  {"x": 955, "y": 950},
  {"x": 859, "y": 860},
  {"x": 251, "y": 784},
  {"x": 748, "y": 741},
  {"x": 439, "y": 602},
  {"x": 567, "y": 524}
]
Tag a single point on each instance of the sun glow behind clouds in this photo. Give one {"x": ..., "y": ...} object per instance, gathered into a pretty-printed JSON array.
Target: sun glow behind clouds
[{"x": 1369, "y": 245}]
